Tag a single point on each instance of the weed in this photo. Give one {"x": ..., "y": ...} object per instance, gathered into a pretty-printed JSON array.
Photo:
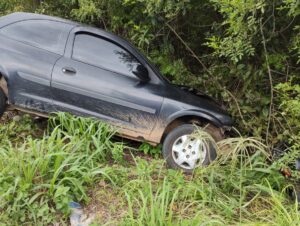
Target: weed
[
  {"x": 154, "y": 151},
  {"x": 41, "y": 175}
]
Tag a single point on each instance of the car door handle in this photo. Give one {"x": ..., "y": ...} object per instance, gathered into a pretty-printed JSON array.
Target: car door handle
[{"x": 69, "y": 70}]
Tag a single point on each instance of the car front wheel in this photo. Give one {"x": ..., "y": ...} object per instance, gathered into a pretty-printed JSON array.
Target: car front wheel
[{"x": 182, "y": 149}]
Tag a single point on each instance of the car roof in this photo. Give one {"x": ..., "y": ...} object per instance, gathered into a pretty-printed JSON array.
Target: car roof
[{"x": 20, "y": 16}]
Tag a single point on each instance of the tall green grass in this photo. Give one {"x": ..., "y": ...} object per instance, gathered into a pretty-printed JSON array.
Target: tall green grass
[
  {"x": 40, "y": 175},
  {"x": 240, "y": 188}
]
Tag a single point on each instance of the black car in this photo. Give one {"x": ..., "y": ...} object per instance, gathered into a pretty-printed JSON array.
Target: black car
[{"x": 48, "y": 64}]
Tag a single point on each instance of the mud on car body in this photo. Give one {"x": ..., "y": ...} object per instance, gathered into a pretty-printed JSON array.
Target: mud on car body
[{"x": 48, "y": 64}]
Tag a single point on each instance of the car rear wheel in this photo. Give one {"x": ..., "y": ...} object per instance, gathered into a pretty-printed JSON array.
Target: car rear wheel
[
  {"x": 182, "y": 150},
  {"x": 2, "y": 102}
]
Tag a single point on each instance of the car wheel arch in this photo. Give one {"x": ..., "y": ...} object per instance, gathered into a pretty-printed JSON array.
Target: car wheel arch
[{"x": 198, "y": 119}]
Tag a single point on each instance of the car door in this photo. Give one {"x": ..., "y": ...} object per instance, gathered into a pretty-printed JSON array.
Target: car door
[{"x": 98, "y": 79}]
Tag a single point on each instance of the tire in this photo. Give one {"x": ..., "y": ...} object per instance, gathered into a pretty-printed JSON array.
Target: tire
[
  {"x": 2, "y": 102},
  {"x": 203, "y": 157}
]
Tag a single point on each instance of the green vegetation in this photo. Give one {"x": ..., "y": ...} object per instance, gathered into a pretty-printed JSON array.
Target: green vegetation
[
  {"x": 40, "y": 176},
  {"x": 238, "y": 50},
  {"x": 75, "y": 160},
  {"x": 245, "y": 53}
]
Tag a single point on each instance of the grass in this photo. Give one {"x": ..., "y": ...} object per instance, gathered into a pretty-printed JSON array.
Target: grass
[{"x": 76, "y": 159}]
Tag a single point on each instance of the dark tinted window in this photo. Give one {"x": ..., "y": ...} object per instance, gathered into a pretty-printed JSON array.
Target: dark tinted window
[
  {"x": 48, "y": 35},
  {"x": 102, "y": 53}
]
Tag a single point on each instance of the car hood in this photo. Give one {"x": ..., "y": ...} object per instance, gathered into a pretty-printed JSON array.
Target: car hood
[
  {"x": 193, "y": 99},
  {"x": 200, "y": 94},
  {"x": 197, "y": 98}
]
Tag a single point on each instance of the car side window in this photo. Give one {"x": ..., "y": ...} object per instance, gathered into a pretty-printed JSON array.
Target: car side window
[
  {"x": 45, "y": 34},
  {"x": 104, "y": 54}
]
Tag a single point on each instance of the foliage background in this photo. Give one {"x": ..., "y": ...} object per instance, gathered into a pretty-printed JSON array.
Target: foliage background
[{"x": 245, "y": 53}]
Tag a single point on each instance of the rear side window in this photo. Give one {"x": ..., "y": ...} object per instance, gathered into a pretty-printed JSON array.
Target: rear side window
[
  {"x": 44, "y": 34},
  {"x": 104, "y": 54}
]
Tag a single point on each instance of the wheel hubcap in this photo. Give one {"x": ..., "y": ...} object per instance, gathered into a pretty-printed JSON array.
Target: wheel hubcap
[{"x": 189, "y": 152}]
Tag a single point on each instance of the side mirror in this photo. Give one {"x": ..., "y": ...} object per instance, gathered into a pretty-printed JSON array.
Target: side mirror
[{"x": 142, "y": 73}]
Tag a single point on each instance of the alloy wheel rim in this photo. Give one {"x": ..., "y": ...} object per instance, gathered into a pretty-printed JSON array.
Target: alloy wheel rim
[{"x": 189, "y": 152}]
